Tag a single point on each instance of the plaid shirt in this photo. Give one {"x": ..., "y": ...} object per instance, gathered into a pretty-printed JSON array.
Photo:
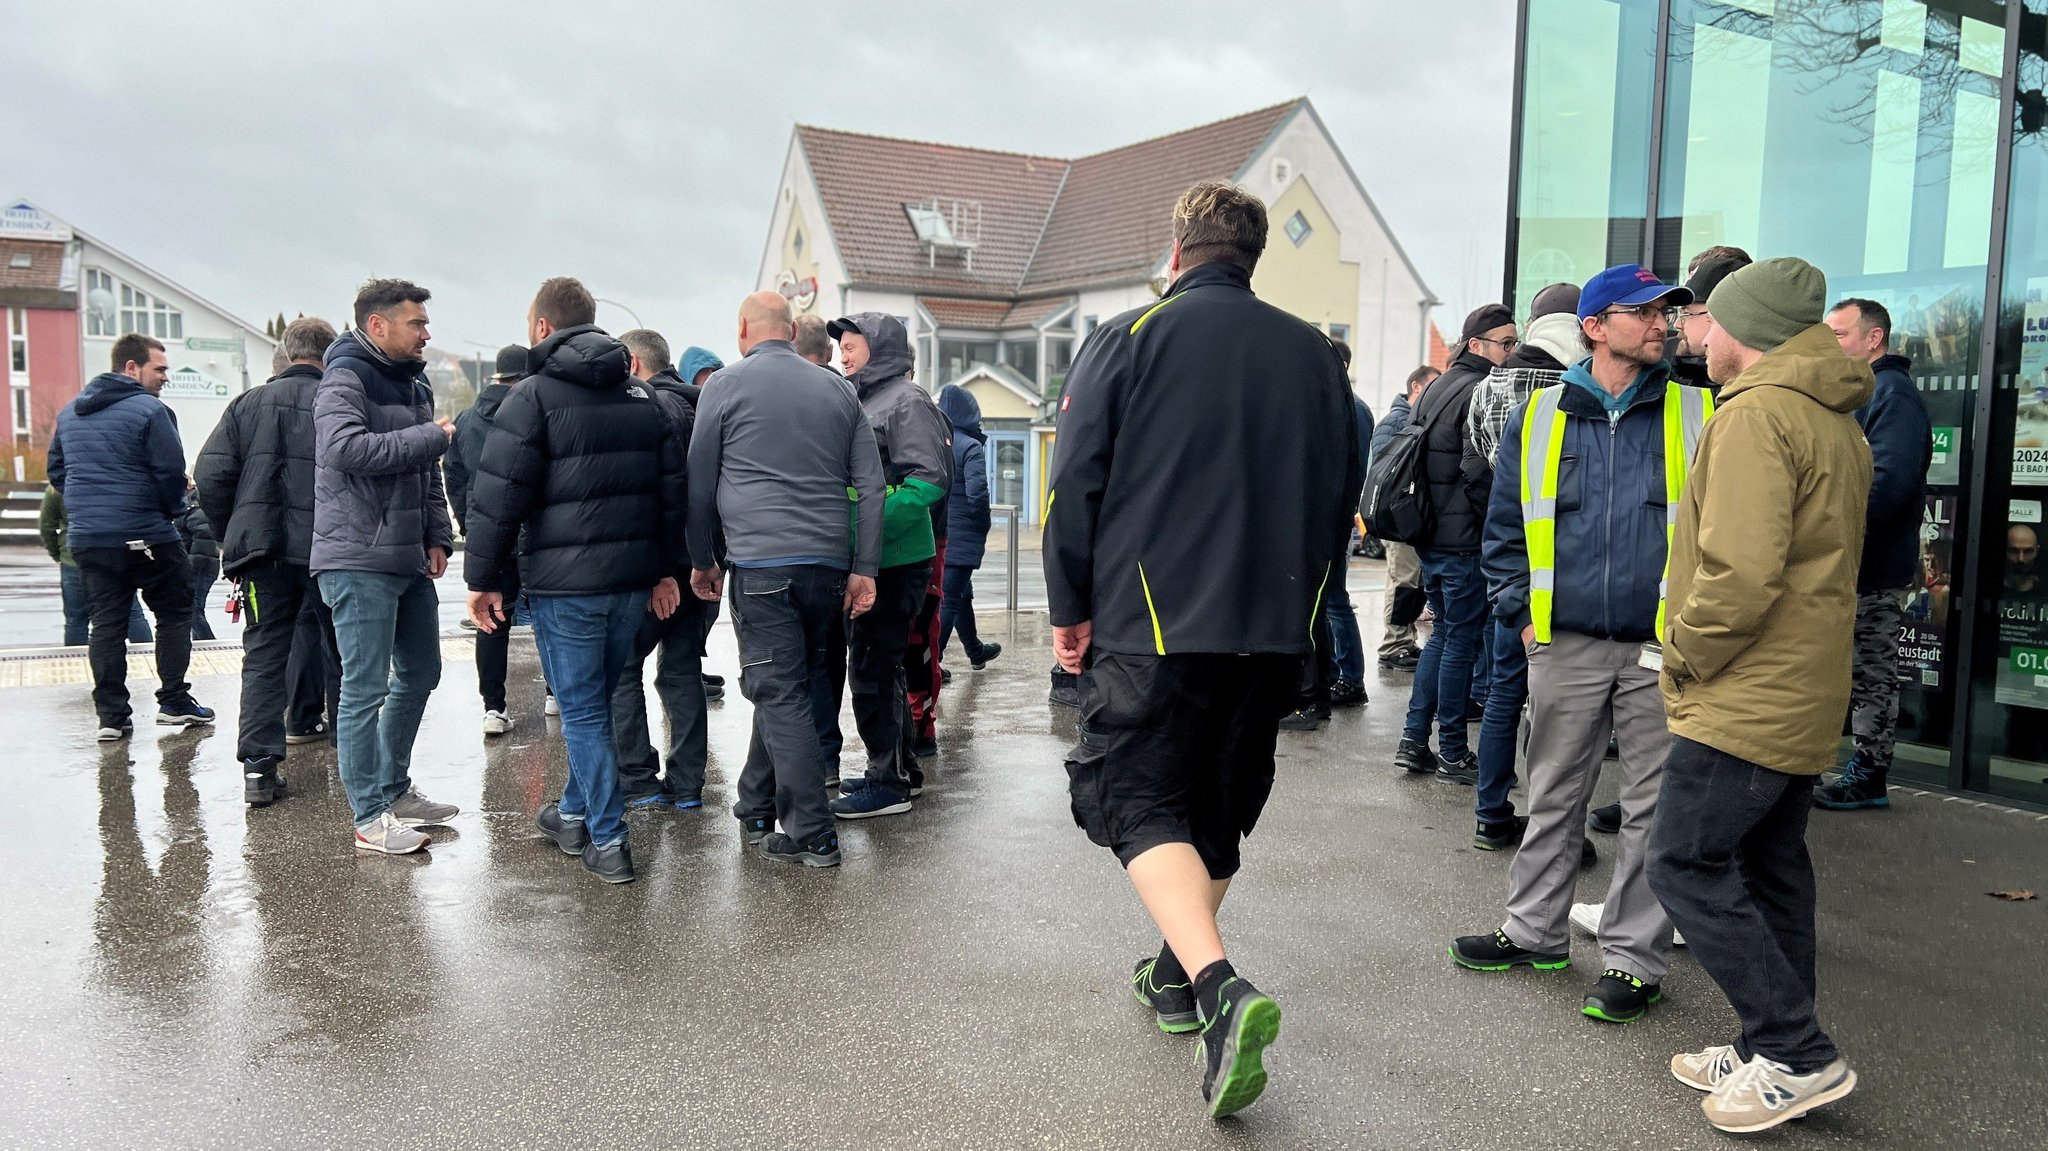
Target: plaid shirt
[{"x": 1494, "y": 400}]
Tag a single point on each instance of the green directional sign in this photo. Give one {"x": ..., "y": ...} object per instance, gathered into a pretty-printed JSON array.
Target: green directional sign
[{"x": 202, "y": 344}]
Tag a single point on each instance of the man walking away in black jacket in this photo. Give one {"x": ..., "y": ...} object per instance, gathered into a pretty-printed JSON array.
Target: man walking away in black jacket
[
  {"x": 1901, "y": 450},
  {"x": 1404, "y": 568},
  {"x": 117, "y": 461},
  {"x": 465, "y": 451},
  {"x": 679, "y": 669},
  {"x": 255, "y": 482},
  {"x": 1186, "y": 557},
  {"x": 583, "y": 461},
  {"x": 779, "y": 445},
  {"x": 1441, "y": 699}
]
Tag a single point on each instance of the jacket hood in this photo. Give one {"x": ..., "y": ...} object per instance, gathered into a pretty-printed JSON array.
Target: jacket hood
[
  {"x": 888, "y": 350},
  {"x": 1892, "y": 363},
  {"x": 584, "y": 356},
  {"x": 488, "y": 400},
  {"x": 106, "y": 390},
  {"x": 352, "y": 346},
  {"x": 296, "y": 372},
  {"x": 960, "y": 407},
  {"x": 1811, "y": 363},
  {"x": 696, "y": 360},
  {"x": 1556, "y": 335},
  {"x": 1648, "y": 382}
]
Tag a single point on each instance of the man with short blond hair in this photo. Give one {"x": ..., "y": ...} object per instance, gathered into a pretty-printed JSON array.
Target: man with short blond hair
[{"x": 1186, "y": 605}]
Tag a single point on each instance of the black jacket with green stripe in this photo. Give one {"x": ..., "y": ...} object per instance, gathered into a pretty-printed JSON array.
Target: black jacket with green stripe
[{"x": 1202, "y": 487}]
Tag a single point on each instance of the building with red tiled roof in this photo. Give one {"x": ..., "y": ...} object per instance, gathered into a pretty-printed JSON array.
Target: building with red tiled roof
[{"x": 1001, "y": 263}]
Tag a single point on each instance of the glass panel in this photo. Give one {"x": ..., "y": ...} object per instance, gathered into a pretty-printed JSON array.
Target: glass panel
[
  {"x": 956, "y": 356},
  {"x": 1587, "y": 87},
  {"x": 1856, "y": 135},
  {"x": 1023, "y": 356},
  {"x": 1006, "y": 471},
  {"x": 177, "y": 325},
  {"x": 2009, "y": 684},
  {"x": 1059, "y": 356}
]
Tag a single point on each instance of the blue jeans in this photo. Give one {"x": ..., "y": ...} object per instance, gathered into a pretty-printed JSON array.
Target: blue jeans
[
  {"x": 1443, "y": 677},
  {"x": 586, "y": 642},
  {"x": 1507, "y": 691},
  {"x": 78, "y": 614},
  {"x": 1345, "y": 645},
  {"x": 387, "y": 629}
]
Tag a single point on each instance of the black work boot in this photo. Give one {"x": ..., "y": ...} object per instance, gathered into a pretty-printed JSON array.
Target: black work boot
[{"x": 262, "y": 782}]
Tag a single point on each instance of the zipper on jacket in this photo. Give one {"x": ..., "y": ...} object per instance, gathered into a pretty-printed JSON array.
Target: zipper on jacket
[{"x": 1607, "y": 559}]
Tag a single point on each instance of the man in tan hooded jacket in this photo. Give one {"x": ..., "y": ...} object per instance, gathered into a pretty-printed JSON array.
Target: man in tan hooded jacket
[{"x": 1756, "y": 673}]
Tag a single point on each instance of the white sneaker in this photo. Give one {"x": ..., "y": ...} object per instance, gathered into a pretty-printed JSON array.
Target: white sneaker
[
  {"x": 551, "y": 707},
  {"x": 1704, "y": 1070},
  {"x": 385, "y": 834},
  {"x": 497, "y": 723},
  {"x": 110, "y": 734},
  {"x": 1763, "y": 1093},
  {"x": 1586, "y": 917}
]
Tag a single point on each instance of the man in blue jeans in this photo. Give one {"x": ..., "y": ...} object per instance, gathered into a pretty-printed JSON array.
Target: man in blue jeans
[
  {"x": 1451, "y": 580},
  {"x": 381, "y": 536},
  {"x": 780, "y": 442},
  {"x": 584, "y": 462}
]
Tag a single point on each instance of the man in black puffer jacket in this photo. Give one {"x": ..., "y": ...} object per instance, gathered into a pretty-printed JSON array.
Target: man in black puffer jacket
[
  {"x": 255, "y": 481},
  {"x": 1441, "y": 697},
  {"x": 584, "y": 461}
]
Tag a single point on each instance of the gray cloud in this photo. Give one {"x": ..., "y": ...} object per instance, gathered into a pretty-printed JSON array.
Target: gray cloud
[{"x": 272, "y": 156}]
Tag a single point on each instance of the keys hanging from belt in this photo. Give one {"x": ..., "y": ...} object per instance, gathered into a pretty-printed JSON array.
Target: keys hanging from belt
[{"x": 237, "y": 595}]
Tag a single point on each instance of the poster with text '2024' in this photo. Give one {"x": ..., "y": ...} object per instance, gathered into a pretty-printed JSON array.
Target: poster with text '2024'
[
  {"x": 1923, "y": 635},
  {"x": 2030, "y": 421}
]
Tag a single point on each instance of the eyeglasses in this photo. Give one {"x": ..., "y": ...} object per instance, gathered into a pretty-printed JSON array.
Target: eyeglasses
[
  {"x": 1647, "y": 313},
  {"x": 1507, "y": 343},
  {"x": 1692, "y": 314}
]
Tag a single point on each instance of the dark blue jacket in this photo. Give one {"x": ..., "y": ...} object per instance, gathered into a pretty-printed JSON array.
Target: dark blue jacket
[
  {"x": 1398, "y": 415},
  {"x": 117, "y": 461},
  {"x": 1365, "y": 435},
  {"x": 967, "y": 515},
  {"x": 1610, "y": 518},
  {"x": 1901, "y": 450}
]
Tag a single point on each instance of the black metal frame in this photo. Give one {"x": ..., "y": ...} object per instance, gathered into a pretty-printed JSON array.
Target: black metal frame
[
  {"x": 1515, "y": 113},
  {"x": 1660, "y": 77}
]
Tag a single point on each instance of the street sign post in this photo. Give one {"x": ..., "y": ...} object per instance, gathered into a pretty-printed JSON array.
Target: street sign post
[{"x": 204, "y": 344}]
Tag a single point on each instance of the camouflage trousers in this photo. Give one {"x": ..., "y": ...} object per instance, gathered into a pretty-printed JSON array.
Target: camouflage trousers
[{"x": 1874, "y": 695}]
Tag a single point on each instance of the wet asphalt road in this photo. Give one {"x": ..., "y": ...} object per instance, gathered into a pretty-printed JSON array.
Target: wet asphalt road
[{"x": 181, "y": 972}]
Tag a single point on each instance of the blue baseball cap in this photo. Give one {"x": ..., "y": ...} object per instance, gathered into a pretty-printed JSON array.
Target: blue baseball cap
[{"x": 1628, "y": 285}]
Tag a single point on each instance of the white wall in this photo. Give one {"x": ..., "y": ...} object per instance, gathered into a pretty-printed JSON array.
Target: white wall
[{"x": 227, "y": 373}]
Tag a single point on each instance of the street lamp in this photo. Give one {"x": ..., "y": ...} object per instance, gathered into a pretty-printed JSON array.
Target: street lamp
[{"x": 622, "y": 308}]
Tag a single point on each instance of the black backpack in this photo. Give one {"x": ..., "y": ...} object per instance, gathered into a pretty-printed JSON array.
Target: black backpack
[{"x": 1396, "y": 505}]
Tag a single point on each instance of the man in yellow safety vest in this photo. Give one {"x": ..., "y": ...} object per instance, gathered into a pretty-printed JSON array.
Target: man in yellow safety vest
[{"x": 1588, "y": 477}]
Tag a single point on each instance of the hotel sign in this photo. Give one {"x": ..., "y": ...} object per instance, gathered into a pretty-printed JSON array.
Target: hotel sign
[{"x": 23, "y": 222}]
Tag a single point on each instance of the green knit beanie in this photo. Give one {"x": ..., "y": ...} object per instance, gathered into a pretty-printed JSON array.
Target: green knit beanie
[{"x": 1769, "y": 302}]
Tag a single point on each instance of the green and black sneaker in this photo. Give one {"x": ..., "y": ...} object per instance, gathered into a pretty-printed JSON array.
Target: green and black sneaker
[
  {"x": 1173, "y": 1003},
  {"x": 1497, "y": 952},
  {"x": 1246, "y": 1023},
  {"x": 1620, "y": 997}
]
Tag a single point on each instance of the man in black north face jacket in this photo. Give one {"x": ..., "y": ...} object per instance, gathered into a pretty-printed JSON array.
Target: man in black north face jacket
[{"x": 584, "y": 461}]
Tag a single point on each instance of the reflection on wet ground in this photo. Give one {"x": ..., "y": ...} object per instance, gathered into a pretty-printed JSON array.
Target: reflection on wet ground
[{"x": 178, "y": 971}]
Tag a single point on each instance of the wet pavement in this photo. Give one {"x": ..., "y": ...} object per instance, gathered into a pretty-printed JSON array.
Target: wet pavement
[{"x": 178, "y": 971}]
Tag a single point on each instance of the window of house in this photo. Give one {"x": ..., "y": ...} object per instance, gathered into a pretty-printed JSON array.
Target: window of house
[
  {"x": 20, "y": 411},
  {"x": 956, "y": 356},
  {"x": 17, "y": 341},
  {"x": 1298, "y": 229},
  {"x": 1341, "y": 332},
  {"x": 1090, "y": 323},
  {"x": 99, "y": 303},
  {"x": 1059, "y": 356},
  {"x": 1022, "y": 355},
  {"x": 151, "y": 317}
]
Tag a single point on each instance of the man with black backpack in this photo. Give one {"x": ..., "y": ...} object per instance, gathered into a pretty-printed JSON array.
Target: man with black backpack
[{"x": 1422, "y": 492}]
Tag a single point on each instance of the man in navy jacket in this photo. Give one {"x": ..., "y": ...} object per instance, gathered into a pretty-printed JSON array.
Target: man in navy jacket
[
  {"x": 117, "y": 461},
  {"x": 1901, "y": 450}
]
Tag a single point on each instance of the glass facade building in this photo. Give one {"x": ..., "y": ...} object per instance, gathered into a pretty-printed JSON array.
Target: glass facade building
[{"x": 1902, "y": 147}]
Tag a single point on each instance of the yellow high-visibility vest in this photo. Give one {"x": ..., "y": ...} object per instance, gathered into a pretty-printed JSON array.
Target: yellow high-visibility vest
[{"x": 1686, "y": 411}]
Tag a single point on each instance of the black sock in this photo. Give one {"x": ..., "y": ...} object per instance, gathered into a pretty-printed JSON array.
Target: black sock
[
  {"x": 1168, "y": 972},
  {"x": 1209, "y": 986}
]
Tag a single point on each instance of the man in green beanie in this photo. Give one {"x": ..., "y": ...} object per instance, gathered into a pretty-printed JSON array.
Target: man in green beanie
[{"x": 1756, "y": 671}]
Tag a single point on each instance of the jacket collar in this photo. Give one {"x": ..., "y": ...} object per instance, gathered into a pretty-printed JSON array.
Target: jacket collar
[
  {"x": 296, "y": 372},
  {"x": 1213, "y": 272},
  {"x": 1596, "y": 401}
]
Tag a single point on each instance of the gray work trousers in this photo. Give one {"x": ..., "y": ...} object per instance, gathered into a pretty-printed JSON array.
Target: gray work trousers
[
  {"x": 1404, "y": 569},
  {"x": 1581, "y": 690}
]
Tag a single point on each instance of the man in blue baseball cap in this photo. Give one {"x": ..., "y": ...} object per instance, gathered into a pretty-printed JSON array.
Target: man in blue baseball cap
[{"x": 1574, "y": 557}]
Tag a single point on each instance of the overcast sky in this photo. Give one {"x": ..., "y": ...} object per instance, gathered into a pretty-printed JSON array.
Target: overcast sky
[{"x": 271, "y": 156}]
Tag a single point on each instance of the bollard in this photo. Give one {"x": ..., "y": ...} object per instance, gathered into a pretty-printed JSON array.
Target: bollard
[{"x": 1012, "y": 513}]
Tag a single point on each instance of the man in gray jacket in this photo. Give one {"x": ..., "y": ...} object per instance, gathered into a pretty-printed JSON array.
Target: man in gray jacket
[
  {"x": 381, "y": 536},
  {"x": 779, "y": 443}
]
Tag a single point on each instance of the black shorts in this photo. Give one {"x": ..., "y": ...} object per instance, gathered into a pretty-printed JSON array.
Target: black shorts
[{"x": 1178, "y": 749}]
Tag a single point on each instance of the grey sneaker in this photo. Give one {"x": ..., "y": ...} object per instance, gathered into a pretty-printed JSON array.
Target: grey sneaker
[
  {"x": 497, "y": 723},
  {"x": 387, "y": 835},
  {"x": 1763, "y": 1093},
  {"x": 416, "y": 810},
  {"x": 1704, "y": 1070}
]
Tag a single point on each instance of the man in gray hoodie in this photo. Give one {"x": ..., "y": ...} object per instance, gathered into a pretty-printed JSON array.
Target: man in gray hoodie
[
  {"x": 779, "y": 442},
  {"x": 381, "y": 537}
]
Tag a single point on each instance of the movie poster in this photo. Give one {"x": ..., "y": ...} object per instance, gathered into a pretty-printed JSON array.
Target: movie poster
[
  {"x": 2023, "y": 620},
  {"x": 1923, "y": 638}
]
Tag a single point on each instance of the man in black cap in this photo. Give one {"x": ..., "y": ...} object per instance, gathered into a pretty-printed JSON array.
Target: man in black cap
[
  {"x": 472, "y": 428},
  {"x": 1703, "y": 274},
  {"x": 1441, "y": 697}
]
